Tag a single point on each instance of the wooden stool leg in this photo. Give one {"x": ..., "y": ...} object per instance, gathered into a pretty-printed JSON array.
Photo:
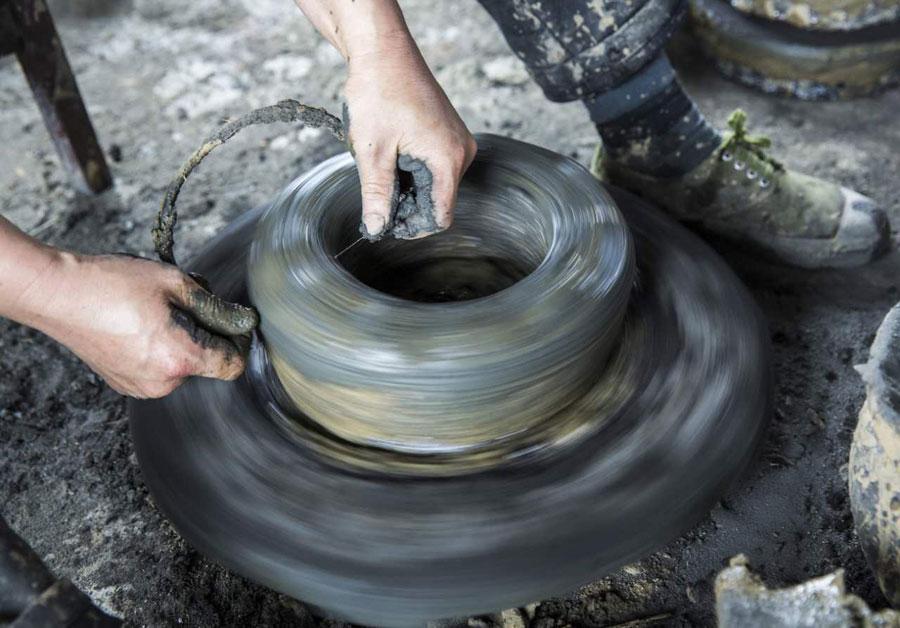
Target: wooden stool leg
[{"x": 48, "y": 72}]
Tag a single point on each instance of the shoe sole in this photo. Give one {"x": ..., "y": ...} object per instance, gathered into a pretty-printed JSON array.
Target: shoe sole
[{"x": 782, "y": 59}]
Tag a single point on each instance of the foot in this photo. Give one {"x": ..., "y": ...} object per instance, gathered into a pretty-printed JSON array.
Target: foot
[{"x": 743, "y": 194}]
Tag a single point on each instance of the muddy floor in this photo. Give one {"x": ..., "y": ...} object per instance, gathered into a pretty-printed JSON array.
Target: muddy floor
[{"x": 158, "y": 74}]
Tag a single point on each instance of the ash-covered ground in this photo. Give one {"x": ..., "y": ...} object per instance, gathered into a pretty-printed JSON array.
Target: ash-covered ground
[{"x": 157, "y": 75}]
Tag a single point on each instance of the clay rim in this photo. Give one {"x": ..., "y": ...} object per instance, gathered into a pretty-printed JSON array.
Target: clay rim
[{"x": 568, "y": 308}]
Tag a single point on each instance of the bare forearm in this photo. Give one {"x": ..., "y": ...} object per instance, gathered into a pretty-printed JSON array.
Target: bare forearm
[
  {"x": 358, "y": 27},
  {"x": 25, "y": 267}
]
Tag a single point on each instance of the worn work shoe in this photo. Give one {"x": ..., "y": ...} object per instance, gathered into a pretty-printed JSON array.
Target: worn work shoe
[
  {"x": 818, "y": 50},
  {"x": 742, "y": 194}
]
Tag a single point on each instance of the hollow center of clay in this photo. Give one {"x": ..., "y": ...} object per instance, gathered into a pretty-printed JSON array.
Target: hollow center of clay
[
  {"x": 478, "y": 256},
  {"x": 432, "y": 271}
]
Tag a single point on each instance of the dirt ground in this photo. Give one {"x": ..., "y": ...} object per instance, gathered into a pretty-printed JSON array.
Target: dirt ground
[{"x": 158, "y": 74}]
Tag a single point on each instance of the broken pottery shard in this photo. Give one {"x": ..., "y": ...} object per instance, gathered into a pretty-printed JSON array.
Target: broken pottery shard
[
  {"x": 743, "y": 601},
  {"x": 822, "y": 15},
  {"x": 811, "y": 64},
  {"x": 875, "y": 459}
]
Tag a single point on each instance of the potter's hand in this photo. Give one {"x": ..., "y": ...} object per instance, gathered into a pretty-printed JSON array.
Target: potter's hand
[
  {"x": 398, "y": 117},
  {"x": 143, "y": 326}
]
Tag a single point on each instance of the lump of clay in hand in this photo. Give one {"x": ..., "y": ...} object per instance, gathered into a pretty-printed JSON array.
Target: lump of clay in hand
[{"x": 413, "y": 213}]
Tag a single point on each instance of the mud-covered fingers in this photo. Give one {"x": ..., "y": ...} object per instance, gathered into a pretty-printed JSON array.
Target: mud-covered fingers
[
  {"x": 218, "y": 330},
  {"x": 444, "y": 189},
  {"x": 438, "y": 178},
  {"x": 221, "y": 359},
  {"x": 214, "y": 313},
  {"x": 209, "y": 355},
  {"x": 378, "y": 187},
  {"x": 201, "y": 281}
]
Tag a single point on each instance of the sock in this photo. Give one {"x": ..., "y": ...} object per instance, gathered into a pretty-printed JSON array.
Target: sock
[{"x": 650, "y": 124}]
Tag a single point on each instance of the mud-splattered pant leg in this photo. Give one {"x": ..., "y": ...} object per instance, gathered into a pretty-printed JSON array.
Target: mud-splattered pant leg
[
  {"x": 650, "y": 124},
  {"x": 609, "y": 54},
  {"x": 580, "y": 48}
]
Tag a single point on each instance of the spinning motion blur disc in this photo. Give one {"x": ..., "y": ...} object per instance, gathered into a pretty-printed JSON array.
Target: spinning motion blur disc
[{"x": 398, "y": 533}]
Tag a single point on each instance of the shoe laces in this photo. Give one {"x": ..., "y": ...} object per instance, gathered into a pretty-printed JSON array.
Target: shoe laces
[{"x": 738, "y": 143}]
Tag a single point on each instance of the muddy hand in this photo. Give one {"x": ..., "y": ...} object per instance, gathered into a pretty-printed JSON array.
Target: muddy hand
[
  {"x": 410, "y": 145},
  {"x": 143, "y": 326},
  {"x": 410, "y": 162}
]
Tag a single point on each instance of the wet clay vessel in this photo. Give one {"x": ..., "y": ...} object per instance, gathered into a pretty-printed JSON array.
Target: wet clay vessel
[
  {"x": 612, "y": 378},
  {"x": 459, "y": 342}
]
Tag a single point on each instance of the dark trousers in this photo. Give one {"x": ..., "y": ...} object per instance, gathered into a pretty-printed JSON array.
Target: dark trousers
[{"x": 577, "y": 49}]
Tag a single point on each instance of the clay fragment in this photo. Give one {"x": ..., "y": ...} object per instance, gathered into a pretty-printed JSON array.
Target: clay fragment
[
  {"x": 875, "y": 459},
  {"x": 744, "y": 601},
  {"x": 413, "y": 215}
]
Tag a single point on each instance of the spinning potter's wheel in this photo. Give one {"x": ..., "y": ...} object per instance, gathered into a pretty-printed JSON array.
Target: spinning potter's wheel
[{"x": 559, "y": 384}]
